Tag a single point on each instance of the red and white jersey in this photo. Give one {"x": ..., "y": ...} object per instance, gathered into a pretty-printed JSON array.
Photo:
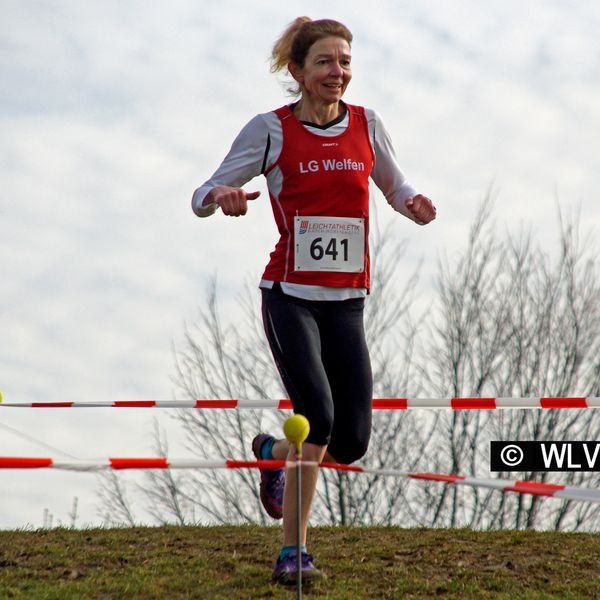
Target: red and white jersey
[
  {"x": 257, "y": 150},
  {"x": 322, "y": 177}
]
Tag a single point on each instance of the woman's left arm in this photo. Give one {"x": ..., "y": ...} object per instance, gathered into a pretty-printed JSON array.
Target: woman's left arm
[{"x": 390, "y": 179}]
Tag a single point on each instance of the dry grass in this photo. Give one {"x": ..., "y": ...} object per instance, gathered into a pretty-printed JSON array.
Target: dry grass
[{"x": 235, "y": 562}]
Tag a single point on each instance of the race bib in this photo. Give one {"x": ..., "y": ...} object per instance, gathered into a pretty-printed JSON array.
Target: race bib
[{"x": 329, "y": 244}]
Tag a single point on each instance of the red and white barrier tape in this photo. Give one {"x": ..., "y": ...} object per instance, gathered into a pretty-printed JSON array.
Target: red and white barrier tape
[
  {"x": 504, "y": 485},
  {"x": 378, "y": 403}
]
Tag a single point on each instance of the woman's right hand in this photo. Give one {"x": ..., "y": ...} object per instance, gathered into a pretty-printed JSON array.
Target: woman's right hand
[{"x": 233, "y": 201}]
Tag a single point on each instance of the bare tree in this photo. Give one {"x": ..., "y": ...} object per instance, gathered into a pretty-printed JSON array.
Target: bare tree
[
  {"x": 514, "y": 320},
  {"x": 115, "y": 506},
  {"x": 165, "y": 493}
]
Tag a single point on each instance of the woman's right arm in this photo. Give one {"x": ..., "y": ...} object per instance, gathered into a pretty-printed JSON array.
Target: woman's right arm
[{"x": 243, "y": 162}]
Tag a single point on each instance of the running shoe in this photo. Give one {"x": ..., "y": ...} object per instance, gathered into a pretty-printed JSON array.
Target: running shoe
[
  {"x": 272, "y": 481},
  {"x": 286, "y": 569}
]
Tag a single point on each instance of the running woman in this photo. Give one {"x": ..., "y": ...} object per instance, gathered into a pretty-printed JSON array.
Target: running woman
[{"x": 317, "y": 155}]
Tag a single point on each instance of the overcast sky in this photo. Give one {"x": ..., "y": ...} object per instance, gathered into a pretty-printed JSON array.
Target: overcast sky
[{"x": 113, "y": 112}]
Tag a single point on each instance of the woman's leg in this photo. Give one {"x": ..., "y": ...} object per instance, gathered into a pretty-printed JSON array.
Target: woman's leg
[
  {"x": 292, "y": 329},
  {"x": 348, "y": 366},
  {"x": 293, "y": 332},
  {"x": 309, "y": 475}
]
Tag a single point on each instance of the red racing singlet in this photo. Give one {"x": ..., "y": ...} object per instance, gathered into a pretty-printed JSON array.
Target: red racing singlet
[{"x": 322, "y": 211}]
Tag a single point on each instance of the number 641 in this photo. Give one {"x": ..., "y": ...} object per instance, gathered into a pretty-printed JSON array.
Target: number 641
[{"x": 317, "y": 251}]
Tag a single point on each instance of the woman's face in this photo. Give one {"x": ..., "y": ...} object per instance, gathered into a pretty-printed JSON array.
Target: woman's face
[{"x": 326, "y": 72}]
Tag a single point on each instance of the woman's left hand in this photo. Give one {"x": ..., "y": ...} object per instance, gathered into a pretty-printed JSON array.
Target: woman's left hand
[{"x": 421, "y": 208}]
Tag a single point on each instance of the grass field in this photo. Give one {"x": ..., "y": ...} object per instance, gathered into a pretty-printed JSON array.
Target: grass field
[{"x": 235, "y": 562}]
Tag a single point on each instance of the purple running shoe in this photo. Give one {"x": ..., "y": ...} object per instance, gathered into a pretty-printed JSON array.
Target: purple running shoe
[
  {"x": 286, "y": 569},
  {"x": 271, "y": 481}
]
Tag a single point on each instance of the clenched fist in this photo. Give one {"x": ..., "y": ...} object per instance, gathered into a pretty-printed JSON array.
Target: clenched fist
[
  {"x": 233, "y": 201},
  {"x": 421, "y": 208}
]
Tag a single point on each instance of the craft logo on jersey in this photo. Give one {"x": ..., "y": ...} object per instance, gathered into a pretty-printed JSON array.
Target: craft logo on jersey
[{"x": 303, "y": 226}]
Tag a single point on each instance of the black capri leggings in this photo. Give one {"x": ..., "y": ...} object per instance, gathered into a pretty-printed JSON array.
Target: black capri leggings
[{"x": 320, "y": 350}]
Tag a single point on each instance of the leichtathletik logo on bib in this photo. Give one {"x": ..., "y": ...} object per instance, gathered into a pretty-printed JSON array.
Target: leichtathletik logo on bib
[
  {"x": 329, "y": 244},
  {"x": 303, "y": 226}
]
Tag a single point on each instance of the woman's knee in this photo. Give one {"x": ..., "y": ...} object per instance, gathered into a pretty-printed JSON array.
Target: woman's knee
[
  {"x": 350, "y": 449},
  {"x": 321, "y": 425}
]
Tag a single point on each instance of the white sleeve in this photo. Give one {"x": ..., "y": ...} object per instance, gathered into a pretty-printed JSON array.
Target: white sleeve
[
  {"x": 243, "y": 162},
  {"x": 386, "y": 173}
]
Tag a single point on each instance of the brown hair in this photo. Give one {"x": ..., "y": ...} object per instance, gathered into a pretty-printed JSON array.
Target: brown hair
[{"x": 295, "y": 42}]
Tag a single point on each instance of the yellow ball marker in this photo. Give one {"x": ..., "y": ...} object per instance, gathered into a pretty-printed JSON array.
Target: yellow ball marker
[{"x": 296, "y": 430}]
